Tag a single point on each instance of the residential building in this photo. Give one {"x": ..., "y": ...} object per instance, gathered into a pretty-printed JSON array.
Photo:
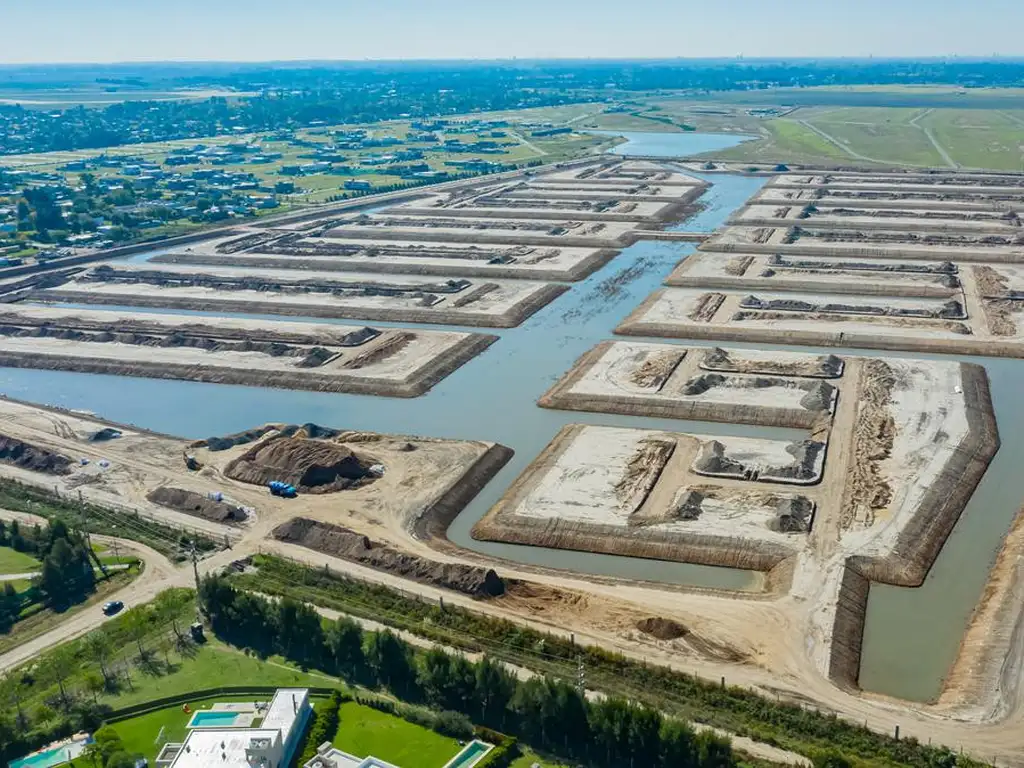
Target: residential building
[{"x": 271, "y": 744}]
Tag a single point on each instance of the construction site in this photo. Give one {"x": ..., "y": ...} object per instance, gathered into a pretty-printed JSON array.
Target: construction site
[{"x": 709, "y": 474}]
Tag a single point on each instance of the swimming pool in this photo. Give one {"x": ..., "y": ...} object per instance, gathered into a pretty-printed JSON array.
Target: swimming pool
[
  {"x": 56, "y": 756},
  {"x": 207, "y": 719},
  {"x": 470, "y": 754}
]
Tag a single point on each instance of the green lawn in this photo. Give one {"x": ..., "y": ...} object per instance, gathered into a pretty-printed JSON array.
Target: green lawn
[
  {"x": 17, "y": 562},
  {"x": 212, "y": 665},
  {"x": 364, "y": 731}
]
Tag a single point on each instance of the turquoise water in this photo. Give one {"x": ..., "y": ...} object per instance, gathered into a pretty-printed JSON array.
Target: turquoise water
[
  {"x": 207, "y": 719},
  {"x": 56, "y": 756},
  {"x": 469, "y": 755}
]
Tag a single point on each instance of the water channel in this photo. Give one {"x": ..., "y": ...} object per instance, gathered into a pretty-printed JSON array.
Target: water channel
[{"x": 911, "y": 636}]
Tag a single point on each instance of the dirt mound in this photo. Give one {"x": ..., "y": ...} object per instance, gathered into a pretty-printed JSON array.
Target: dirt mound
[
  {"x": 347, "y": 544},
  {"x": 252, "y": 435},
  {"x": 312, "y": 466},
  {"x": 26, "y": 456},
  {"x": 192, "y": 503},
  {"x": 793, "y": 515},
  {"x": 663, "y": 629},
  {"x": 107, "y": 433}
]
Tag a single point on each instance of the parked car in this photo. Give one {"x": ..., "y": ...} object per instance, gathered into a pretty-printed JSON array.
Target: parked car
[{"x": 112, "y": 607}]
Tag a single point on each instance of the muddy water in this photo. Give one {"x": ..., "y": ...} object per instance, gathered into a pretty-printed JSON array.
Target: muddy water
[{"x": 912, "y": 635}]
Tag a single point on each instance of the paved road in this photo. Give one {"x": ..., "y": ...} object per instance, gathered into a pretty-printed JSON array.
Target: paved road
[{"x": 158, "y": 574}]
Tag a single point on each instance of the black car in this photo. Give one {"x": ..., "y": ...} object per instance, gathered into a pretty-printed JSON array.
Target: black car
[{"x": 112, "y": 607}]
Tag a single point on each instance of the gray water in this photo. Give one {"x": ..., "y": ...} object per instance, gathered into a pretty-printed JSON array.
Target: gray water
[{"x": 912, "y": 634}]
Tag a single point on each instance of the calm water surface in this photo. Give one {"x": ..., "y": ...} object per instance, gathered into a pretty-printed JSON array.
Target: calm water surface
[{"x": 912, "y": 634}]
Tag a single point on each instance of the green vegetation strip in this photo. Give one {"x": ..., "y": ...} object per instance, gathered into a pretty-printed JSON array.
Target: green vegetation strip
[
  {"x": 741, "y": 711},
  {"x": 93, "y": 518}
]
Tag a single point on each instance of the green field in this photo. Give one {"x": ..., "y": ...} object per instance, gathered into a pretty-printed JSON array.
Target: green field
[
  {"x": 46, "y": 619},
  {"x": 16, "y": 562},
  {"x": 364, "y": 731},
  {"x": 985, "y": 139}
]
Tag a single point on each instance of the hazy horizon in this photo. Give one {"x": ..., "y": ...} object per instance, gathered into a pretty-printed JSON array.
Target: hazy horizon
[{"x": 123, "y": 31}]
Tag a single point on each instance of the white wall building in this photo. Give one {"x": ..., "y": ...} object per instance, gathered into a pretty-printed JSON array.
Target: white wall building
[{"x": 270, "y": 745}]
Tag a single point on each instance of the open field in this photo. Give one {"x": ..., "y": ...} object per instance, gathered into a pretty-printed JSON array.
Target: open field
[{"x": 965, "y": 134}]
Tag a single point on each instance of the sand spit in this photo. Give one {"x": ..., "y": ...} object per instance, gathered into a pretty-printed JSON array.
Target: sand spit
[
  {"x": 669, "y": 381},
  {"x": 308, "y": 356},
  {"x": 632, "y": 492}
]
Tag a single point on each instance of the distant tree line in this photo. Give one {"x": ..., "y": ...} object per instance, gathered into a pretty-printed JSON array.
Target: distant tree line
[
  {"x": 293, "y": 97},
  {"x": 546, "y": 713}
]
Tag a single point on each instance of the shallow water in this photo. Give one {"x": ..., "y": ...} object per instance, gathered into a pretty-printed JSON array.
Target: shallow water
[{"x": 912, "y": 635}]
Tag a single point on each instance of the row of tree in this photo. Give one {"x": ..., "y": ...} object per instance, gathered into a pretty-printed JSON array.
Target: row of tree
[
  {"x": 548, "y": 714},
  {"x": 66, "y": 575}
]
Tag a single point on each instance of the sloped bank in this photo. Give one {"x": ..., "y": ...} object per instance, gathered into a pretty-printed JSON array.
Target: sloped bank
[
  {"x": 502, "y": 525},
  {"x": 920, "y": 541},
  {"x": 304, "y": 379}
]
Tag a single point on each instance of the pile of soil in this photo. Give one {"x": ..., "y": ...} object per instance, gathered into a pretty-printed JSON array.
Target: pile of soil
[
  {"x": 308, "y": 429},
  {"x": 312, "y": 466},
  {"x": 663, "y": 629},
  {"x": 348, "y": 545},
  {"x": 26, "y": 456},
  {"x": 192, "y": 503}
]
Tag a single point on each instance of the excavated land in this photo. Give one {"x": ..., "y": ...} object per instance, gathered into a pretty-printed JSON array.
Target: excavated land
[
  {"x": 192, "y": 503},
  {"x": 287, "y": 355},
  {"x": 391, "y": 225},
  {"x": 805, "y": 240},
  {"x": 669, "y": 381},
  {"x": 311, "y": 465},
  {"x": 648, "y": 494},
  {"x": 823, "y": 215},
  {"x": 18, "y": 453},
  {"x": 869, "y": 277},
  {"x": 920, "y": 474},
  {"x": 389, "y": 486},
  {"x": 346, "y": 544},
  {"x": 310, "y": 294},
  {"x": 921, "y": 324},
  {"x": 415, "y": 258}
]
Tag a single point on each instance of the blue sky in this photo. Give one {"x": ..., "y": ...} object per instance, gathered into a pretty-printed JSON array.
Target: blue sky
[{"x": 258, "y": 30}]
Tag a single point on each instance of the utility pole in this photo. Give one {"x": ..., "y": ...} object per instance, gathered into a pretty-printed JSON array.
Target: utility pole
[
  {"x": 581, "y": 676},
  {"x": 195, "y": 566}
]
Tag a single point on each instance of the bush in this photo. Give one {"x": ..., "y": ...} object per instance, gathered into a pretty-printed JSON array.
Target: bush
[
  {"x": 502, "y": 755},
  {"x": 325, "y": 724}
]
